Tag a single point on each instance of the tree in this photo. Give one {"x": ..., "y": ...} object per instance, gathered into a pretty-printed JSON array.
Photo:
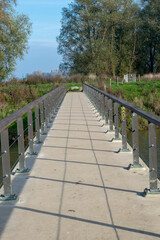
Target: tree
[
  {"x": 98, "y": 36},
  {"x": 14, "y": 33},
  {"x": 148, "y": 49},
  {"x": 113, "y": 37}
]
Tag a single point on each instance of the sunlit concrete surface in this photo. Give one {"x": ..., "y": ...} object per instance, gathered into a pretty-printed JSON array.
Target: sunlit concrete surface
[{"x": 79, "y": 187}]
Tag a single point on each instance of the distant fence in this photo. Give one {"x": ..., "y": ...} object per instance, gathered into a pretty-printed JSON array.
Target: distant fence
[
  {"x": 108, "y": 107},
  {"x": 44, "y": 108}
]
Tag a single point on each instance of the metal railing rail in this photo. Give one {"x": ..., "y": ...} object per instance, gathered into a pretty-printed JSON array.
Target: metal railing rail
[
  {"x": 44, "y": 109},
  {"x": 107, "y": 105}
]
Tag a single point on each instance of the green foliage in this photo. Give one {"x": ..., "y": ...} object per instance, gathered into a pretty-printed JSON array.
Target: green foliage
[
  {"x": 94, "y": 36},
  {"x": 70, "y": 87},
  {"x": 143, "y": 94},
  {"x": 14, "y": 33},
  {"x": 113, "y": 37},
  {"x": 15, "y": 95}
]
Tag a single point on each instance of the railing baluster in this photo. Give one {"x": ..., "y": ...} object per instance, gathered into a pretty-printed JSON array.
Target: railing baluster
[
  {"x": 110, "y": 116},
  {"x": 22, "y": 163},
  {"x": 106, "y": 110},
  {"x": 30, "y": 133},
  {"x": 42, "y": 117},
  {"x": 124, "y": 131},
  {"x": 116, "y": 124},
  {"x": 6, "y": 170},
  {"x": 135, "y": 142},
  {"x": 103, "y": 107},
  {"x": 46, "y": 113},
  {"x": 152, "y": 160},
  {"x": 50, "y": 108},
  {"x": 37, "y": 124}
]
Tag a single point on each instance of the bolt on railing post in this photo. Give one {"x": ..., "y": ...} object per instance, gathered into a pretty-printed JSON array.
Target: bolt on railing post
[
  {"x": 37, "y": 124},
  {"x": 22, "y": 163},
  {"x": 110, "y": 115},
  {"x": 30, "y": 133},
  {"x": 124, "y": 131},
  {"x": 135, "y": 142},
  {"x": 116, "y": 124},
  {"x": 6, "y": 171},
  {"x": 152, "y": 160}
]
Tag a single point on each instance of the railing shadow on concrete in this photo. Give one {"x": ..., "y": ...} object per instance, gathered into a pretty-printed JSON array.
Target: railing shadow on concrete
[
  {"x": 107, "y": 106},
  {"x": 108, "y": 225},
  {"x": 45, "y": 109}
]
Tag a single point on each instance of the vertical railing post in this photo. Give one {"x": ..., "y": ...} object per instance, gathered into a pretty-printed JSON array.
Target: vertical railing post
[
  {"x": 116, "y": 123},
  {"x": 50, "y": 109},
  {"x": 110, "y": 116},
  {"x": 46, "y": 113},
  {"x": 6, "y": 170},
  {"x": 53, "y": 106},
  {"x": 99, "y": 103},
  {"x": 30, "y": 133},
  {"x": 37, "y": 124},
  {"x": 22, "y": 163},
  {"x": 152, "y": 160},
  {"x": 135, "y": 142},
  {"x": 103, "y": 106},
  {"x": 106, "y": 110},
  {"x": 96, "y": 101},
  {"x": 42, "y": 117},
  {"x": 124, "y": 130}
]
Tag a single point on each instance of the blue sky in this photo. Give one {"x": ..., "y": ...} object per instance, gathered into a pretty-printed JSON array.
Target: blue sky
[{"x": 45, "y": 17}]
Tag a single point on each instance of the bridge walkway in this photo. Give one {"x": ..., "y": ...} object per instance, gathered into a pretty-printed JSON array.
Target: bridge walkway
[{"x": 79, "y": 187}]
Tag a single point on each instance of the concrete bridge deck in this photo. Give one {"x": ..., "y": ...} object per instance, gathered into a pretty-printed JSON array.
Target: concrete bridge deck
[{"x": 78, "y": 187}]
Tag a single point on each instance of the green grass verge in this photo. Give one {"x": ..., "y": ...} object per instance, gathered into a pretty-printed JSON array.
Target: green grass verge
[{"x": 70, "y": 85}]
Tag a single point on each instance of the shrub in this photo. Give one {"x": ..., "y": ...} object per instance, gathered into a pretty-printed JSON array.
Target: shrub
[{"x": 151, "y": 76}]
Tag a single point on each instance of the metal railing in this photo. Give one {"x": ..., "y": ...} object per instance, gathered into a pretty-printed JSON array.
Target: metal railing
[
  {"x": 108, "y": 107},
  {"x": 44, "y": 109}
]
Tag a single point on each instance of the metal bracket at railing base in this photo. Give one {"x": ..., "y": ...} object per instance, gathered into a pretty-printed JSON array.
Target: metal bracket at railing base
[
  {"x": 133, "y": 166},
  {"x": 38, "y": 142},
  {"x": 8, "y": 198},
  {"x": 44, "y": 133},
  {"x": 23, "y": 170},
  {"x": 151, "y": 192},
  {"x": 126, "y": 150},
  {"x": 116, "y": 140},
  {"x": 32, "y": 154}
]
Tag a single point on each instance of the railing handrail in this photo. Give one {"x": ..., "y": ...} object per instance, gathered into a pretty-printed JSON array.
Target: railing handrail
[
  {"x": 107, "y": 107},
  {"x": 151, "y": 117},
  {"x": 45, "y": 111},
  {"x": 4, "y": 123}
]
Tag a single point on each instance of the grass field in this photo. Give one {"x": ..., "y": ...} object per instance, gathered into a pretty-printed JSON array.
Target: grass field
[
  {"x": 15, "y": 96},
  {"x": 143, "y": 94}
]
